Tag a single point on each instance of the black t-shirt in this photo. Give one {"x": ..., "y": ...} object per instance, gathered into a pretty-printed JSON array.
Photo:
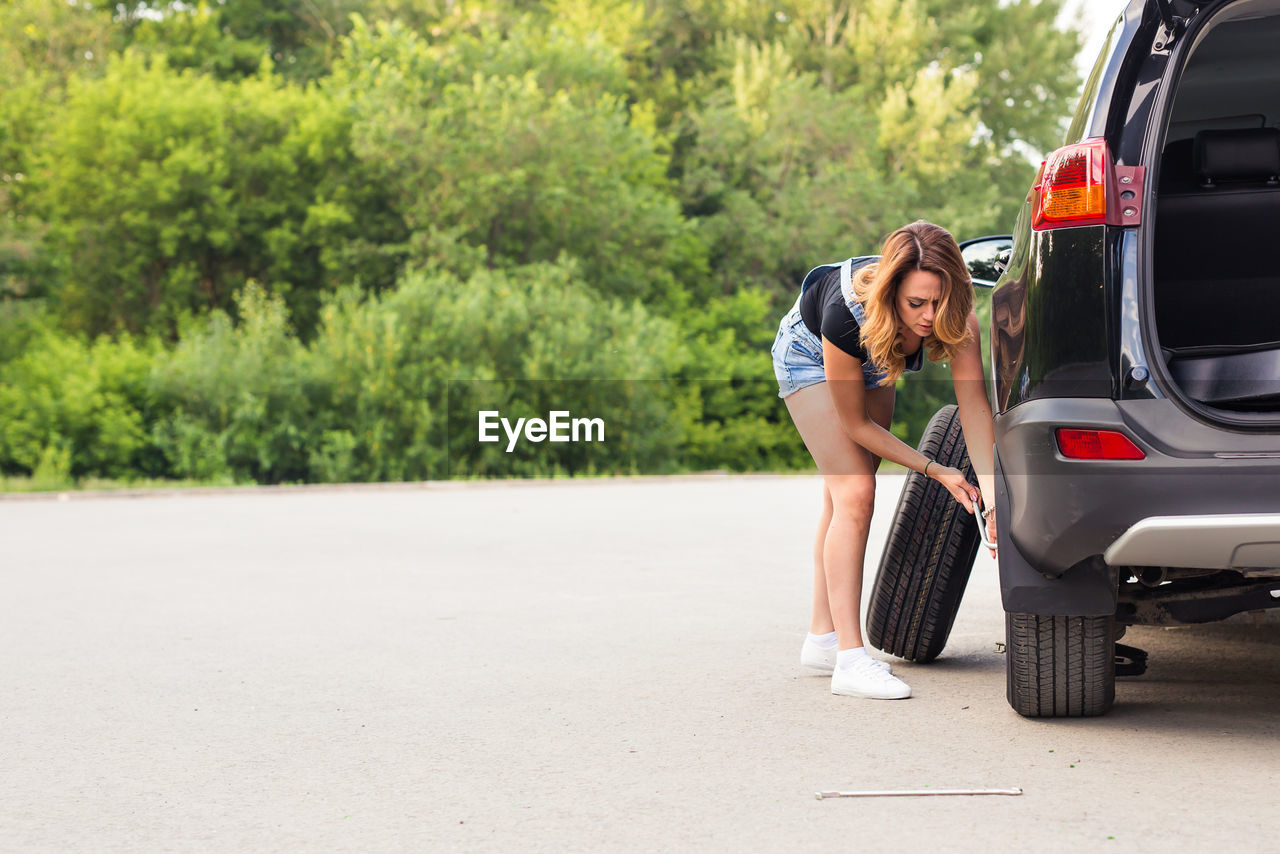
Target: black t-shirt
[{"x": 824, "y": 311}]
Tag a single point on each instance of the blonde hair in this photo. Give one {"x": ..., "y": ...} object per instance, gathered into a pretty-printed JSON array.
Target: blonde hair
[{"x": 918, "y": 246}]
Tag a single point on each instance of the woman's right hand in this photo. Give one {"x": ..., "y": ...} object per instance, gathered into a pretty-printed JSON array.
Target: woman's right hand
[{"x": 953, "y": 479}]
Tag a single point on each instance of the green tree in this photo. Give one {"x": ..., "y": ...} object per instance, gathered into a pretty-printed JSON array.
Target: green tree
[
  {"x": 54, "y": 39},
  {"x": 165, "y": 192},
  {"x": 195, "y": 37},
  {"x": 231, "y": 38},
  {"x": 783, "y": 175},
  {"x": 519, "y": 149},
  {"x": 42, "y": 44},
  {"x": 979, "y": 83},
  {"x": 23, "y": 108}
]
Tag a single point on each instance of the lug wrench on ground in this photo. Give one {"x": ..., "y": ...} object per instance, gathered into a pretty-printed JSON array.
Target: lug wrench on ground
[{"x": 914, "y": 793}]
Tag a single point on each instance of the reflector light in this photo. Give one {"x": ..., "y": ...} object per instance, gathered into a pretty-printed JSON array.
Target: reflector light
[
  {"x": 1097, "y": 445},
  {"x": 1072, "y": 188}
]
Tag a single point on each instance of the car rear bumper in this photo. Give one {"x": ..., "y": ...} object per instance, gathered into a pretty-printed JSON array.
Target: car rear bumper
[
  {"x": 1224, "y": 541},
  {"x": 1203, "y": 498}
]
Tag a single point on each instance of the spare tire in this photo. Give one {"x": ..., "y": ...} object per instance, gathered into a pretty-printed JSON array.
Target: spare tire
[{"x": 928, "y": 556}]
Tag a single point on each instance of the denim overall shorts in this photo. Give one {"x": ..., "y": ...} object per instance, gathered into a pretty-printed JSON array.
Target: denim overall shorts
[{"x": 797, "y": 350}]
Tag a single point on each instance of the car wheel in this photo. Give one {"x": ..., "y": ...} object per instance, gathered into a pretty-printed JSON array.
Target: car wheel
[
  {"x": 1060, "y": 666},
  {"x": 928, "y": 556}
]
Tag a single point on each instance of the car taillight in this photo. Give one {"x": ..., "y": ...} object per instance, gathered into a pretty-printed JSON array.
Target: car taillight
[
  {"x": 1097, "y": 445},
  {"x": 1072, "y": 187}
]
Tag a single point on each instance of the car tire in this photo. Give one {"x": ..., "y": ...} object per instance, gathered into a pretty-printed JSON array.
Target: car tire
[
  {"x": 928, "y": 556},
  {"x": 1060, "y": 666}
]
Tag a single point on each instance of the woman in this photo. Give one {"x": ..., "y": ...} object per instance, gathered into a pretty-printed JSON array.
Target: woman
[{"x": 855, "y": 328}]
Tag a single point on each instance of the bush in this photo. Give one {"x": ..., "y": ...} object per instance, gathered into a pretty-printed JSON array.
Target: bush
[
  {"x": 70, "y": 407},
  {"x": 735, "y": 419},
  {"x": 407, "y": 374},
  {"x": 238, "y": 400}
]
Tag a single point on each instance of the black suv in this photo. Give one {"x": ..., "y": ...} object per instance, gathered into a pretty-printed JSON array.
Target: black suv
[
  {"x": 1136, "y": 354},
  {"x": 1135, "y": 351}
]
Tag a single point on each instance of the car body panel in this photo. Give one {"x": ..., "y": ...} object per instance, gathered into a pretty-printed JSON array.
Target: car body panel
[{"x": 1048, "y": 336}]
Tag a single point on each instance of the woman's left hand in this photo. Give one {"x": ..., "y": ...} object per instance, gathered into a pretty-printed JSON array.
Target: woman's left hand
[
  {"x": 961, "y": 490},
  {"x": 991, "y": 532}
]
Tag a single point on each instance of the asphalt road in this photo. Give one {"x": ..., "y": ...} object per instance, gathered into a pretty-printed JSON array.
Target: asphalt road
[{"x": 571, "y": 666}]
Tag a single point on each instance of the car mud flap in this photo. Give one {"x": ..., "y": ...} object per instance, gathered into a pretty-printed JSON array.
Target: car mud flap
[{"x": 1087, "y": 589}]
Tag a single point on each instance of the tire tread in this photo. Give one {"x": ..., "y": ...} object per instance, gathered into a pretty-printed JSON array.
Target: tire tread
[
  {"x": 1060, "y": 666},
  {"x": 928, "y": 556}
]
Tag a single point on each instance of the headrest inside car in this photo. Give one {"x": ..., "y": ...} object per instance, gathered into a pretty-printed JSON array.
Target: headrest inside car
[{"x": 1237, "y": 155}]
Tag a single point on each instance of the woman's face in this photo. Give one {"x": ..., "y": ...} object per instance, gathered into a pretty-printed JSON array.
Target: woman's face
[{"x": 919, "y": 296}]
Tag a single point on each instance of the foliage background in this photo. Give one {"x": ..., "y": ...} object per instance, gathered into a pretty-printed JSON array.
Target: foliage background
[{"x": 305, "y": 240}]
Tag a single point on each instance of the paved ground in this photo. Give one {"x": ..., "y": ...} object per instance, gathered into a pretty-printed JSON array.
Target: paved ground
[{"x": 573, "y": 666}]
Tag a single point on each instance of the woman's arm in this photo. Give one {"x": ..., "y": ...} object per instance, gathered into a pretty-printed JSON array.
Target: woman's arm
[
  {"x": 845, "y": 380},
  {"x": 975, "y": 410},
  {"x": 975, "y": 416}
]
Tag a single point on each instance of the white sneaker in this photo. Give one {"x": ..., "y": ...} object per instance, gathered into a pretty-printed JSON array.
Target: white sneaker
[
  {"x": 812, "y": 655},
  {"x": 864, "y": 679}
]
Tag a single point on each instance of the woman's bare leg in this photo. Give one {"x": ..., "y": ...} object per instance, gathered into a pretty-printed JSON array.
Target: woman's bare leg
[
  {"x": 851, "y": 470},
  {"x": 820, "y": 622}
]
